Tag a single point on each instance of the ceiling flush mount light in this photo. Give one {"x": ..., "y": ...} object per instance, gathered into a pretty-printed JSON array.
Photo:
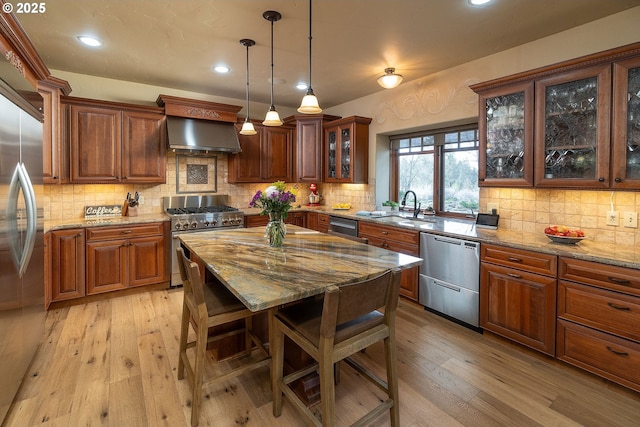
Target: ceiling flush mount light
[
  {"x": 247, "y": 126},
  {"x": 479, "y": 2},
  {"x": 390, "y": 79},
  {"x": 222, "y": 69},
  {"x": 272, "y": 118},
  {"x": 90, "y": 41},
  {"x": 309, "y": 103}
]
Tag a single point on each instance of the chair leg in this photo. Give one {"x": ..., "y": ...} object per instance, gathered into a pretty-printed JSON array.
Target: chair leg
[
  {"x": 198, "y": 371},
  {"x": 327, "y": 389},
  {"x": 277, "y": 361},
  {"x": 392, "y": 377},
  {"x": 184, "y": 334},
  {"x": 248, "y": 344}
]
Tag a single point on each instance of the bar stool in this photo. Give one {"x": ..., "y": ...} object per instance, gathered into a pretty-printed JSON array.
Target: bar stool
[
  {"x": 206, "y": 306},
  {"x": 333, "y": 329}
]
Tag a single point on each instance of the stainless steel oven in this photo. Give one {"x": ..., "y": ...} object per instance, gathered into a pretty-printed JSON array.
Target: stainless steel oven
[{"x": 193, "y": 214}]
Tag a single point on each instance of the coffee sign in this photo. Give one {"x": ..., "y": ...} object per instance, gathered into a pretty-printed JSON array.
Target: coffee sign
[{"x": 102, "y": 211}]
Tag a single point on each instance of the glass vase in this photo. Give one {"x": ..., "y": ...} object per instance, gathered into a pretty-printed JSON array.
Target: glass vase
[{"x": 276, "y": 229}]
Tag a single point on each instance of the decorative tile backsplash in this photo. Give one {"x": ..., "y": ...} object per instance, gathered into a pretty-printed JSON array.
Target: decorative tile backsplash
[{"x": 528, "y": 210}]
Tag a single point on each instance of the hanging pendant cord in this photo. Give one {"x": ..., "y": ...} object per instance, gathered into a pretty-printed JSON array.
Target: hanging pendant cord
[
  {"x": 272, "y": 104},
  {"x": 248, "y": 81},
  {"x": 310, "y": 8}
]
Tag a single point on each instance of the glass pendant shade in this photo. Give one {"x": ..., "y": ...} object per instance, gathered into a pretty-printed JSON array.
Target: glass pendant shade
[
  {"x": 309, "y": 104},
  {"x": 272, "y": 118},
  {"x": 390, "y": 79},
  {"x": 247, "y": 128}
]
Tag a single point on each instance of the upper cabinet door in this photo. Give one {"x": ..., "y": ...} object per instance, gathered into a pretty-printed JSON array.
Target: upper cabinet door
[
  {"x": 625, "y": 161},
  {"x": 505, "y": 127},
  {"x": 144, "y": 147},
  {"x": 572, "y": 135},
  {"x": 347, "y": 150},
  {"x": 95, "y": 142}
]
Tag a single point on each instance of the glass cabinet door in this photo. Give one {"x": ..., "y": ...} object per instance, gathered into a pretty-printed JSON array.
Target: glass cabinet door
[
  {"x": 332, "y": 150},
  {"x": 345, "y": 153},
  {"x": 506, "y": 136},
  {"x": 626, "y": 119},
  {"x": 572, "y": 139}
]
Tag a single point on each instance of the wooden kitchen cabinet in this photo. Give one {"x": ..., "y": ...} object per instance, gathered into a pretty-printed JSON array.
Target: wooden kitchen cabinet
[
  {"x": 397, "y": 240},
  {"x": 265, "y": 157},
  {"x": 312, "y": 220},
  {"x": 115, "y": 143},
  {"x": 625, "y": 159},
  {"x": 256, "y": 220},
  {"x": 599, "y": 319},
  {"x": 297, "y": 218},
  {"x": 346, "y": 155},
  {"x": 55, "y": 155},
  {"x": 518, "y": 295},
  {"x": 123, "y": 257},
  {"x": 585, "y": 125},
  {"x": 505, "y": 129},
  {"x": 65, "y": 265},
  {"x": 323, "y": 222},
  {"x": 309, "y": 146}
]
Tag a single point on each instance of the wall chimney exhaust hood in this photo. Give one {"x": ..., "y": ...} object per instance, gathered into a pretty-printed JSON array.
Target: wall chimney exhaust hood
[{"x": 195, "y": 125}]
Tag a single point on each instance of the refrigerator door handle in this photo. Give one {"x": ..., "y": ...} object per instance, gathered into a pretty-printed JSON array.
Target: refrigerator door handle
[{"x": 21, "y": 256}]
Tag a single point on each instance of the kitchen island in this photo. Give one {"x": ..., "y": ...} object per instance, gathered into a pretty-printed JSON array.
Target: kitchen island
[{"x": 263, "y": 277}]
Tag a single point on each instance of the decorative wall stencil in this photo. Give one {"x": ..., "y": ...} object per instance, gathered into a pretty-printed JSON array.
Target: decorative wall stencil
[
  {"x": 425, "y": 100},
  {"x": 196, "y": 174}
]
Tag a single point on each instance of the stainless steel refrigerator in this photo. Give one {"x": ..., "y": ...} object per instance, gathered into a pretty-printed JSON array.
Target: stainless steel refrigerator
[{"x": 22, "y": 311}]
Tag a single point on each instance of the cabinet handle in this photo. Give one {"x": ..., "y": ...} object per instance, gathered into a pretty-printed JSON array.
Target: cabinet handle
[
  {"x": 126, "y": 231},
  {"x": 54, "y": 177},
  {"x": 513, "y": 259},
  {"x": 619, "y": 353},
  {"x": 601, "y": 179},
  {"x": 619, "y": 281},
  {"x": 385, "y": 232},
  {"x": 515, "y": 276},
  {"x": 618, "y": 307},
  {"x": 618, "y": 180},
  {"x": 79, "y": 235}
]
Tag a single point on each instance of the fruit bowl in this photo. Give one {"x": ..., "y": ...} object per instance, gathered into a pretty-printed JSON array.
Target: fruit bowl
[{"x": 564, "y": 239}]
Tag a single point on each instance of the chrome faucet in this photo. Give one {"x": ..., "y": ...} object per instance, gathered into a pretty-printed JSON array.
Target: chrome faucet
[{"x": 416, "y": 205}]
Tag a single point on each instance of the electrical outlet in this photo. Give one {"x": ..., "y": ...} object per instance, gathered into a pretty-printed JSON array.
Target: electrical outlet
[
  {"x": 141, "y": 199},
  {"x": 612, "y": 218},
  {"x": 491, "y": 207},
  {"x": 630, "y": 219}
]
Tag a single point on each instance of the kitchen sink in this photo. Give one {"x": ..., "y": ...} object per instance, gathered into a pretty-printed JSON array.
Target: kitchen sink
[{"x": 407, "y": 220}]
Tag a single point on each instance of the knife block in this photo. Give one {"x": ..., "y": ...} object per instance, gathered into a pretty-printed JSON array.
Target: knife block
[{"x": 132, "y": 211}]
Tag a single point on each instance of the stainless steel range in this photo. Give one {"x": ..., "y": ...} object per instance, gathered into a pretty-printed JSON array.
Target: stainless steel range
[{"x": 192, "y": 214}]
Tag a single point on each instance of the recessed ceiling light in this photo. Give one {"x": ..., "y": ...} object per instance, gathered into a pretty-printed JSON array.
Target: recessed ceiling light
[
  {"x": 302, "y": 86},
  {"x": 90, "y": 41},
  {"x": 479, "y": 2},
  {"x": 221, "y": 69}
]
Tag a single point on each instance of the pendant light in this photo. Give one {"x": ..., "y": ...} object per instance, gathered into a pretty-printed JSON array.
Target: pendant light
[
  {"x": 272, "y": 118},
  {"x": 247, "y": 126},
  {"x": 390, "y": 79},
  {"x": 309, "y": 103}
]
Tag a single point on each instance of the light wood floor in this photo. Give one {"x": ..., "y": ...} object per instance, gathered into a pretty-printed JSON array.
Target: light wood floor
[{"x": 113, "y": 363}]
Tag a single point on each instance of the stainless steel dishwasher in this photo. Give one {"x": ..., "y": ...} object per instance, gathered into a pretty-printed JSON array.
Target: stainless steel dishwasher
[{"x": 450, "y": 277}]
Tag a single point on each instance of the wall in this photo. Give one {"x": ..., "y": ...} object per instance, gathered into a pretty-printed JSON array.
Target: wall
[{"x": 433, "y": 101}]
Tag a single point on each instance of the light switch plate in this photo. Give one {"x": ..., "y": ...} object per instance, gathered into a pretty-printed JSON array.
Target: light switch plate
[{"x": 630, "y": 219}]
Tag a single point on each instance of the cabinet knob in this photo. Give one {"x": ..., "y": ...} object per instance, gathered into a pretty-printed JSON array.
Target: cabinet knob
[
  {"x": 601, "y": 179},
  {"x": 618, "y": 180}
]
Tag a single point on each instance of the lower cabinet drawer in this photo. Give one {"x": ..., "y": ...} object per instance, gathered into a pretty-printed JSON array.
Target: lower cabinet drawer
[
  {"x": 602, "y": 354},
  {"x": 608, "y": 311}
]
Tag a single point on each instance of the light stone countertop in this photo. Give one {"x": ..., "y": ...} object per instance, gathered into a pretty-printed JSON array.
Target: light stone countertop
[
  {"x": 107, "y": 221},
  {"x": 263, "y": 277}
]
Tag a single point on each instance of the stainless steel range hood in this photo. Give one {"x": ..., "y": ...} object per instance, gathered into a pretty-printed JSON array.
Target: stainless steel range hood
[{"x": 202, "y": 135}]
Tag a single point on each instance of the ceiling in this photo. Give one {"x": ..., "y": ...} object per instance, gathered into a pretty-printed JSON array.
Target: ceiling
[{"x": 174, "y": 44}]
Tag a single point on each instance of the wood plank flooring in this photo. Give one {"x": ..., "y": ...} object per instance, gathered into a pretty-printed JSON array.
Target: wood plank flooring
[{"x": 113, "y": 362}]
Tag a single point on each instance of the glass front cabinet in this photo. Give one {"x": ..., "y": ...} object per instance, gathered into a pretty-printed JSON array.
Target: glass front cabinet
[
  {"x": 572, "y": 134},
  {"x": 347, "y": 150},
  {"x": 625, "y": 159},
  {"x": 506, "y": 136},
  {"x": 574, "y": 124}
]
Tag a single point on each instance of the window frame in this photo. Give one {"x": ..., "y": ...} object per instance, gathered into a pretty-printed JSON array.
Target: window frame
[{"x": 438, "y": 167}]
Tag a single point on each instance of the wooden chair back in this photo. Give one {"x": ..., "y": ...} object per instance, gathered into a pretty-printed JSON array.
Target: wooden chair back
[{"x": 191, "y": 283}]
